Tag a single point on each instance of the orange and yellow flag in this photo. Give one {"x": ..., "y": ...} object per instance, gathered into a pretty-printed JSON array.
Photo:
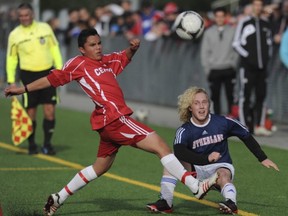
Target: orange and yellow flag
[{"x": 21, "y": 123}]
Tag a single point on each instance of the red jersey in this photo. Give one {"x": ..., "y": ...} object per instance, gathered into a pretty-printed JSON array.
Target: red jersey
[{"x": 98, "y": 80}]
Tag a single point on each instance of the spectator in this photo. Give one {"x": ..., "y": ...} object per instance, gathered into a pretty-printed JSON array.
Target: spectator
[
  {"x": 2, "y": 47},
  {"x": 219, "y": 60},
  {"x": 279, "y": 20},
  {"x": 55, "y": 25},
  {"x": 84, "y": 15},
  {"x": 284, "y": 49},
  {"x": 253, "y": 41},
  {"x": 148, "y": 15},
  {"x": 8, "y": 21},
  {"x": 126, "y": 5},
  {"x": 104, "y": 17},
  {"x": 72, "y": 23},
  {"x": 159, "y": 28},
  {"x": 132, "y": 25},
  {"x": 171, "y": 11},
  {"x": 117, "y": 26}
]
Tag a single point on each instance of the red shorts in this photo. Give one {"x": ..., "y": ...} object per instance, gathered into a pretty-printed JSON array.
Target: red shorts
[{"x": 123, "y": 131}]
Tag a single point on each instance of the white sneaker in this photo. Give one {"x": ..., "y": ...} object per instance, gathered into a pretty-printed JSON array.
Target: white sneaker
[
  {"x": 205, "y": 186},
  {"x": 262, "y": 131},
  {"x": 52, "y": 204}
]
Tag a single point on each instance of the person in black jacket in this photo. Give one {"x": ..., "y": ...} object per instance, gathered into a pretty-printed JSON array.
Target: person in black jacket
[{"x": 253, "y": 41}]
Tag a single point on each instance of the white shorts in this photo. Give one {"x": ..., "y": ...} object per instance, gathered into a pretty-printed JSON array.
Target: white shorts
[{"x": 206, "y": 171}]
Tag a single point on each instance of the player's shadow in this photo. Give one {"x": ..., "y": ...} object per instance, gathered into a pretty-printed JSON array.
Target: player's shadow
[
  {"x": 186, "y": 207},
  {"x": 58, "y": 148},
  {"x": 106, "y": 205},
  {"x": 24, "y": 213},
  {"x": 266, "y": 205}
]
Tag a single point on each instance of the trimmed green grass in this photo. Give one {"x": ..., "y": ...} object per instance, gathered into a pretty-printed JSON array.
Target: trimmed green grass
[{"x": 24, "y": 191}]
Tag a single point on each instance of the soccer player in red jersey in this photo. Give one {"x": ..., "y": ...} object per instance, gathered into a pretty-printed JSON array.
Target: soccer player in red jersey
[{"x": 96, "y": 74}]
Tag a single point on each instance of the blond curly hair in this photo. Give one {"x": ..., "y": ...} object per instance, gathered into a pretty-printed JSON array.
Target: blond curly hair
[{"x": 185, "y": 101}]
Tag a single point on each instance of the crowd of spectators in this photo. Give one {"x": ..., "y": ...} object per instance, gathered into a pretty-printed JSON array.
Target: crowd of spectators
[{"x": 120, "y": 19}]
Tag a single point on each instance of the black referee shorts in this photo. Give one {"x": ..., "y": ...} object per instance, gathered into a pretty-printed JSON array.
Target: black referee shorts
[{"x": 43, "y": 96}]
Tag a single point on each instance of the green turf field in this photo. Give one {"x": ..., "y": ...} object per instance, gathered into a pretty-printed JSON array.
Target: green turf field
[{"x": 26, "y": 181}]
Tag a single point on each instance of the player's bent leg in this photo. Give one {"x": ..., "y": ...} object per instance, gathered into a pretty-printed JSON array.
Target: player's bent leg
[
  {"x": 155, "y": 144},
  {"x": 103, "y": 164},
  {"x": 225, "y": 176},
  {"x": 228, "y": 191}
]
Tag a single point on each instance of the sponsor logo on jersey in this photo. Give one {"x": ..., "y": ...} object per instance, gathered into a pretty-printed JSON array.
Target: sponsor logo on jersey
[
  {"x": 100, "y": 70},
  {"x": 208, "y": 140}
]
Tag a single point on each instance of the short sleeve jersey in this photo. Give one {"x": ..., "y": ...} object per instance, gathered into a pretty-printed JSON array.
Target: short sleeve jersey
[
  {"x": 212, "y": 136},
  {"x": 98, "y": 81}
]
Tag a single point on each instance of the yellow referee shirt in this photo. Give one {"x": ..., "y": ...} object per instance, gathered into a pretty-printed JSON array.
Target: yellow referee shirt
[{"x": 35, "y": 47}]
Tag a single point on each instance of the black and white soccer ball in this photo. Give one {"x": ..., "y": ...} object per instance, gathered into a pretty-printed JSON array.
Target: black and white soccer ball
[{"x": 189, "y": 25}]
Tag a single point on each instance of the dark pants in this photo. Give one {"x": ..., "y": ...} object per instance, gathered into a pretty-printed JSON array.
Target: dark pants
[
  {"x": 252, "y": 82},
  {"x": 216, "y": 78}
]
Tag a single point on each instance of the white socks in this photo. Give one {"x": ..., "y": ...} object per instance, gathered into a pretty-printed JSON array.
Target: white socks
[
  {"x": 168, "y": 184},
  {"x": 175, "y": 168},
  {"x": 80, "y": 180},
  {"x": 229, "y": 192}
]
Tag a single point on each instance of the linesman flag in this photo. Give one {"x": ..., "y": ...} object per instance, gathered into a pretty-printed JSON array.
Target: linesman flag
[{"x": 21, "y": 123}]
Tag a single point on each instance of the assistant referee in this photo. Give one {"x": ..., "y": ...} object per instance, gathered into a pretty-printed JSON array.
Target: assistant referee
[{"x": 34, "y": 46}]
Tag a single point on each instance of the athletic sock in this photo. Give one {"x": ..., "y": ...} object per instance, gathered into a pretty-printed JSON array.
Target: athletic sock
[
  {"x": 229, "y": 192},
  {"x": 80, "y": 180},
  {"x": 168, "y": 184},
  {"x": 48, "y": 127},
  {"x": 31, "y": 138},
  {"x": 175, "y": 168}
]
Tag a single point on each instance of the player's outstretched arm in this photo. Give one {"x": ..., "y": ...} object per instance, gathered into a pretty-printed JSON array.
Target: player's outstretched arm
[
  {"x": 131, "y": 50},
  {"x": 268, "y": 163},
  {"x": 36, "y": 85}
]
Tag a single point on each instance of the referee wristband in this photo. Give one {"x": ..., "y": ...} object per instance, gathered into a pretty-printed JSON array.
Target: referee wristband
[{"x": 26, "y": 90}]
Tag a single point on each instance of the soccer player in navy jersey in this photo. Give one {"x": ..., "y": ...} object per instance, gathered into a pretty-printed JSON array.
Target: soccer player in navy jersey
[
  {"x": 201, "y": 143},
  {"x": 96, "y": 74}
]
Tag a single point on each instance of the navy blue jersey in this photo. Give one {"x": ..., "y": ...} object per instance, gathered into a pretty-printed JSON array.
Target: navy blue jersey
[{"x": 212, "y": 136}]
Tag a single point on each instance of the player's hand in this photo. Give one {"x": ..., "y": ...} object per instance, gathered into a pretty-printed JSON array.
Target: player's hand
[
  {"x": 268, "y": 163},
  {"x": 134, "y": 44},
  {"x": 214, "y": 156},
  {"x": 13, "y": 90}
]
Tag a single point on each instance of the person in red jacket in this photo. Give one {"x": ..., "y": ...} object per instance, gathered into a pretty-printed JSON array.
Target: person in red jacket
[{"x": 96, "y": 74}]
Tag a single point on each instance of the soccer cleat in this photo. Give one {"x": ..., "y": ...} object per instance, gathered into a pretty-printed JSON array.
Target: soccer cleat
[
  {"x": 48, "y": 150},
  {"x": 52, "y": 204},
  {"x": 205, "y": 186},
  {"x": 262, "y": 131},
  {"x": 32, "y": 149},
  {"x": 160, "y": 206},
  {"x": 228, "y": 207}
]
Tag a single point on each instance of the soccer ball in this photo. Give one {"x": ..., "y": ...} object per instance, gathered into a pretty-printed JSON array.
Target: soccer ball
[
  {"x": 141, "y": 114},
  {"x": 189, "y": 25}
]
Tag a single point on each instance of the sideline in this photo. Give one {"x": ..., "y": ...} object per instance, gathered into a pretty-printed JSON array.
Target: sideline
[{"x": 116, "y": 177}]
